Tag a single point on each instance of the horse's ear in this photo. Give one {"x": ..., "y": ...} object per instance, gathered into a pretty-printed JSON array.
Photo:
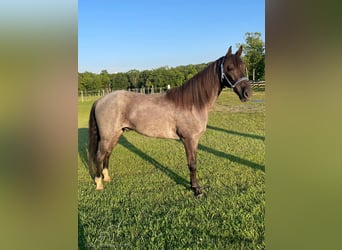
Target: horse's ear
[
  {"x": 229, "y": 53},
  {"x": 239, "y": 52}
]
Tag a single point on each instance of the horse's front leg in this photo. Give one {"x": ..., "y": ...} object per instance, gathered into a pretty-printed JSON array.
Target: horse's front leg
[{"x": 190, "y": 145}]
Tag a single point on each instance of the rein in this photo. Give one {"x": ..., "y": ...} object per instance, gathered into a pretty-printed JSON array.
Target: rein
[{"x": 223, "y": 76}]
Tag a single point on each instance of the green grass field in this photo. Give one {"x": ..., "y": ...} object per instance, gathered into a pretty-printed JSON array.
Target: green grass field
[{"x": 149, "y": 205}]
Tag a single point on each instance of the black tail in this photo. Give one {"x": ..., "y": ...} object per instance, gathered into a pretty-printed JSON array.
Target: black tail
[{"x": 93, "y": 140}]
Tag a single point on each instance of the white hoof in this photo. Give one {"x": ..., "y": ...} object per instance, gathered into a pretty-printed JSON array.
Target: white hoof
[
  {"x": 99, "y": 184},
  {"x": 106, "y": 176}
]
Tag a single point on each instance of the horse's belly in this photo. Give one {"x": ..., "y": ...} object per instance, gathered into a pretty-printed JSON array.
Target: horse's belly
[
  {"x": 158, "y": 126},
  {"x": 163, "y": 130},
  {"x": 164, "y": 135},
  {"x": 151, "y": 117}
]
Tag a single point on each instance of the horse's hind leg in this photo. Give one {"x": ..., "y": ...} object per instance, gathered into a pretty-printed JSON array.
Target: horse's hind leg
[
  {"x": 108, "y": 151},
  {"x": 102, "y": 151},
  {"x": 105, "y": 172},
  {"x": 98, "y": 177}
]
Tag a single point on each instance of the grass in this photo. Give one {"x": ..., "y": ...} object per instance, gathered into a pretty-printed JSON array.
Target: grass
[{"x": 148, "y": 204}]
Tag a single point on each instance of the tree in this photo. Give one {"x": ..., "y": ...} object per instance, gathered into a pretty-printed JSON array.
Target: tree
[
  {"x": 143, "y": 79},
  {"x": 254, "y": 55},
  {"x": 105, "y": 79},
  {"x": 190, "y": 72},
  {"x": 86, "y": 80},
  {"x": 176, "y": 77},
  {"x": 119, "y": 81},
  {"x": 133, "y": 76},
  {"x": 97, "y": 83},
  {"x": 155, "y": 78}
]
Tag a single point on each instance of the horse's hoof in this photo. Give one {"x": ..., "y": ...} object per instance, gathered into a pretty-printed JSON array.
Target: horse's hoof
[
  {"x": 107, "y": 179},
  {"x": 106, "y": 176},
  {"x": 198, "y": 192},
  {"x": 99, "y": 184}
]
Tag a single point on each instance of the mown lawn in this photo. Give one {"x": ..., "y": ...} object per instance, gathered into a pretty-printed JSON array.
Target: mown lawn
[{"x": 149, "y": 205}]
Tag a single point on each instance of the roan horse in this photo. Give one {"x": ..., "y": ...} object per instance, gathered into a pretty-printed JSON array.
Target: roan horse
[{"x": 179, "y": 113}]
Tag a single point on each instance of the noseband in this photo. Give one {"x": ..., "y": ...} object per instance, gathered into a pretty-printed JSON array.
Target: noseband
[{"x": 223, "y": 76}]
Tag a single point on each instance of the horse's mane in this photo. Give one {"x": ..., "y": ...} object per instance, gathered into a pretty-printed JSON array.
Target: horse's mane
[{"x": 199, "y": 90}]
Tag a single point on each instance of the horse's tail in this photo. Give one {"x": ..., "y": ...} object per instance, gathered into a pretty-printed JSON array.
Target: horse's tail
[{"x": 94, "y": 138}]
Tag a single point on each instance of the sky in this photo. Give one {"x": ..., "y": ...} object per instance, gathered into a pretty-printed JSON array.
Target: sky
[{"x": 121, "y": 35}]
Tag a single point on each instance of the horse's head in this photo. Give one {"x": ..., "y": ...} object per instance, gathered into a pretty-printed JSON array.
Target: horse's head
[{"x": 233, "y": 74}]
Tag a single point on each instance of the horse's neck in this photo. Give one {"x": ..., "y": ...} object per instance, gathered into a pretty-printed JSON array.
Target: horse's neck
[
  {"x": 217, "y": 92},
  {"x": 213, "y": 99}
]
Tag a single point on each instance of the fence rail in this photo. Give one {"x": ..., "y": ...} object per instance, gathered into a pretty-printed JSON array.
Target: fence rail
[{"x": 260, "y": 85}]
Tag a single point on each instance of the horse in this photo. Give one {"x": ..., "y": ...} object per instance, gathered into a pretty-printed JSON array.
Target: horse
[{"x": 179, "y": 113}]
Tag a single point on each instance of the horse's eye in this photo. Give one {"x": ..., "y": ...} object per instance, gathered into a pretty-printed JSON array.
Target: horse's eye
[{"x": 230, "y": 68}]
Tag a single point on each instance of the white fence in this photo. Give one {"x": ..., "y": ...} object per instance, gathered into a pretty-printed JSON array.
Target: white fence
[
  {"x": 84, "y": 95},
  {"x": 150, "y": 90}
]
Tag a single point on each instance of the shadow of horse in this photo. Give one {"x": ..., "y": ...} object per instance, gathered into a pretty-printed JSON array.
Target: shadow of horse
[
  {"x": 259, "y": 137},
  {"x": 83, "y": 145},
  {"x": 171, "y": 174},
  {"x": 232, "y": 158}
]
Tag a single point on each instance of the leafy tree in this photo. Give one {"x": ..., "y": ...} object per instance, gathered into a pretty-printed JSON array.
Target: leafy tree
[
  {"x": 190, "y": 72},
  {"x": 176, "y": 77},
  {"x": 119, "y": 81},
  {"x": 254, "y": 55},
  {"x": 200, "y": 67},
  {"x": 97, "y": 83},
  {"x": 105, "y": 80},
  {"x": 155, "y": 78},
  {"x": 86, "y": 80},
  {"x": 133, "y": 76},
  {"x": 143, "y": 80},
  {"x": 81, "y": 83}
]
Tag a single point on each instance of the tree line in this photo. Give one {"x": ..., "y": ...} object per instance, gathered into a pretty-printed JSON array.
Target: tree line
[
  {"x": 254, "y": 57},
  {"x": 158, "y": 78}
]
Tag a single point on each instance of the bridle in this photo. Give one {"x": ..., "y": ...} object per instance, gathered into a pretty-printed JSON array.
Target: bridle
[{"x": 223, "y": 76}]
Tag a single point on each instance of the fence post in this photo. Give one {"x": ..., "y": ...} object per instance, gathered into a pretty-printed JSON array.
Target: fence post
[{"x": 82, "y": 95}]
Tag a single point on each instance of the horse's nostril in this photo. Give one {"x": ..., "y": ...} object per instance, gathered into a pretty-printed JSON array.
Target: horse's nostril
[{"x": 245, "y": 94}]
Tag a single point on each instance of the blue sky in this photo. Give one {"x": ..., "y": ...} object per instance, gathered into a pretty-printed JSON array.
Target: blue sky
[{"x": 129, "y": 34}]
